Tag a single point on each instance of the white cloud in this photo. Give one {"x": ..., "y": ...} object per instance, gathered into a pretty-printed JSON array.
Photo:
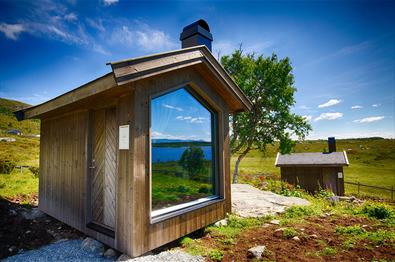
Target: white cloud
[
  {"x": 11, "y": 31},
  {"x": 369, "y": 119},
  {"x": 376, "y": 105},
  {"x": 96, "y": 24},
  {"x": 356, "y": 107},
  {"x": 331, "y": 102},
  {"x": 173, "y": 107},
  {"x": 71, "y": 17},
  {"x": 145, "y": 38},
  {"x": 329, "y": 116},
  {"x": 305, "y": 107},
  {"x": 152, "y": 40},
  {"x": 110, "y": 2},
  {"x": 307, "y": 117},
  {"x": 192, "y": 120}
]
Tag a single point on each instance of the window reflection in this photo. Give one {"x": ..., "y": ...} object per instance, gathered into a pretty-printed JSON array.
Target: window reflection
[{"x": 182, "y": 152}]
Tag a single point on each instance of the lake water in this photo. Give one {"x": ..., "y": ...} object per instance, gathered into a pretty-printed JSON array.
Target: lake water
[{"x": 164, "y": 154}]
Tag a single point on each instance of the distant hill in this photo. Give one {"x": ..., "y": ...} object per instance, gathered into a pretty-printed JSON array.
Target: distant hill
[{"x": 8, "y": 120}]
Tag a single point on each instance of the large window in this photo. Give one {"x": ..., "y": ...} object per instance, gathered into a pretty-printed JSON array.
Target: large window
[{"x": 182, "y": 151}]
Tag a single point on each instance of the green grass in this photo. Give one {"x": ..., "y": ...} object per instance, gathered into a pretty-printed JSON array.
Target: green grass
[
  {"x": 18, "y": 183},
  {"x": 372, "y": 162}
]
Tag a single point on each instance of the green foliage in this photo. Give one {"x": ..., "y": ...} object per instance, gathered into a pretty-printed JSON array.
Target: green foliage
[
  {"x": 356, "y": 233},
  {"x": 378, "y": 211},
  {"x": 301, "y": 211},
  {"x": 328, "y": 251},
  {"x": 289, "y": 232},
  {"x": 192, "y": 160},
  {"x": 204, "y": 189},
  {"x": 6, "y": 166},
  {"x": 353, "y": 230},
  {"x": 235, "y": 225},
  {"x": 216, "y": 255},
  {"x": 269, "y": 83}
]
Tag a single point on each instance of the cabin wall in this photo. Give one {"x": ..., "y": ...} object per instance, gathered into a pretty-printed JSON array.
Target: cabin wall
[
  {"x": 312, "y": 178},
  {"x": 63, "y": 167},
  {"x": 147, "y": 236}
]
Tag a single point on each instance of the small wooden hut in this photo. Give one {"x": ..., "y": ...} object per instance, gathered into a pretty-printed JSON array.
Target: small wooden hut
[
  {"x": 140, "y": 156},
  {"x": 312, "y": 171}
]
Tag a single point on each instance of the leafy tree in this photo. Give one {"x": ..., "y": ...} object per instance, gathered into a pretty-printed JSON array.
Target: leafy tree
[
  {"x": 192, "y": 160},
  {"x": 269, "y": 83}
]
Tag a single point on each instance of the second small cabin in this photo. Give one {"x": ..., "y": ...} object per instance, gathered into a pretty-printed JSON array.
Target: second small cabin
[{"x": 315, "y": 171}]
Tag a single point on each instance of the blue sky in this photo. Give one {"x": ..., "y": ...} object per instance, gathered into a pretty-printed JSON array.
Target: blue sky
[{"x": 343, "y": 52}]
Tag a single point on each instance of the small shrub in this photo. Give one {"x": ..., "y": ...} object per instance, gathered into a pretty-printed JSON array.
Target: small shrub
[
  {"x": 6, "y": 166},
  {"x": 380, "y": 237},
  {"x": 378, "y": 211},
  {"x": 289, "y": 232},
  {"x": 216, "y": 255}
]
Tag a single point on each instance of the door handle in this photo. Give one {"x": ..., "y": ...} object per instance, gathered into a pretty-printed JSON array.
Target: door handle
[{"x": 93, "y": 165}]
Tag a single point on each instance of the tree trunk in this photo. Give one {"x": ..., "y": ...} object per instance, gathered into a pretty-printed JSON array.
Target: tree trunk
[{"x": 236, "y": 171}]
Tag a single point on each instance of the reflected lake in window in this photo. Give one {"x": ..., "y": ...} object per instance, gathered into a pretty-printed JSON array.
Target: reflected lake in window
[{"x": 182, "y": 150}]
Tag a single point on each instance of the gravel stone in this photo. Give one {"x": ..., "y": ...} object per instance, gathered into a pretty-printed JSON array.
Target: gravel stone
[
  {"x": 256, "y": 252},
  {"x": 110, "y": 253},
  {"x": 33, "y": 213},
  {"x": 92, "y": 245},
  {"x": 69, "y": 250},
  {"x": 223, "y": 222}
]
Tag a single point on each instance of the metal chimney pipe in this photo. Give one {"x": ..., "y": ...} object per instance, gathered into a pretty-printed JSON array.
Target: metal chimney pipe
[
  {"x": 331, "y": 144},
  {"x": 197, "y": 33}
]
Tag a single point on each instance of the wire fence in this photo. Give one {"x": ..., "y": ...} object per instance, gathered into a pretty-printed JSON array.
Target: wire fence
[{"x": 375, "y": 191}]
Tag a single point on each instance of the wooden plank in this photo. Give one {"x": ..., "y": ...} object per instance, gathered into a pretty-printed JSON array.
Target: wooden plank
[{"x": 96, "y": 86}]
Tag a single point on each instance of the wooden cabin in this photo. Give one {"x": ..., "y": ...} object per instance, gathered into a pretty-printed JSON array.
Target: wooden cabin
[
  {"x": 315, "y": 171},
  {"x": 140, "y": 156}
]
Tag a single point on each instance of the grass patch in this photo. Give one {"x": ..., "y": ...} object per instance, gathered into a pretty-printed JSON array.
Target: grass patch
[
  {"x": 17, "y": 183},
  {"x": 356, "y": 233},
  {"x": 328, "y": 251},
  {"x": 289, "y": 232}
]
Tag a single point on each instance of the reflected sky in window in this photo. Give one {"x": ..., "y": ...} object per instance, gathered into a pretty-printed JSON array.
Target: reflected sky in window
[{"x": 181, "y": 117}]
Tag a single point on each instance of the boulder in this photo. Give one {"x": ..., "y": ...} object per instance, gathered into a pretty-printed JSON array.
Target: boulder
[
  {"x": 110, "y": 254},
  {"x": 275, "y": 222},
  {"x": 92, "y": 245},
  {"x": 221, "y": 223},
  {"x": 296, "y": 238},
  {"x": 256, "y": 252}
]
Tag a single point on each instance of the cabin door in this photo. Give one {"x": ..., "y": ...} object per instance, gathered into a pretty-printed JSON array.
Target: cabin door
[{"x": 103, "y": 167}]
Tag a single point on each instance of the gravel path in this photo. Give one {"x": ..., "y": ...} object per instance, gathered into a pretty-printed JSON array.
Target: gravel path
[
  {"x": 248, "y": 201},
  {"x": 69, "y": 250},
  {"x": 167, "y": 256}
]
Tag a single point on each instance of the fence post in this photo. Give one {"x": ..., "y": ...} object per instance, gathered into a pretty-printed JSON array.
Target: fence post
[{"x": 358, "y": 188}]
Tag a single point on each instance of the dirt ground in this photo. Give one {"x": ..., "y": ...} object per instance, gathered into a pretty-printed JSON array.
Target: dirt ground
[
  {"x": 18, "y": 233},
  {"x": 314, "y": 235}
]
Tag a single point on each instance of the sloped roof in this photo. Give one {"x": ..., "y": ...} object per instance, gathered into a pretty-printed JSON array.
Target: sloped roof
[
  {"x": 312, "y": 159},
  {"x": 134, "y": 69}
]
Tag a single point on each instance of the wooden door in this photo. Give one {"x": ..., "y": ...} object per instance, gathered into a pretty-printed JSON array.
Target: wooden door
[
  {"x": 103, "y": 167},
  {"x": 330, "y": 179}
]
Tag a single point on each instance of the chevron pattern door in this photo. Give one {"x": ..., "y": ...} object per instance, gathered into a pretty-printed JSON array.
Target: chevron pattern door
[{"x": 104, "y": 167}]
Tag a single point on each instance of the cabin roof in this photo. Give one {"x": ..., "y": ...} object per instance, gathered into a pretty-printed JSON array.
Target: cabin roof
[
  {"x": 129, "y": 70},
  {"x": 312, "y": 159}
]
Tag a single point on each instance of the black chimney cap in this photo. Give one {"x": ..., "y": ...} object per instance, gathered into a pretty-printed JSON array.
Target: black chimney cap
[{"x": 197, "y": 33}]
